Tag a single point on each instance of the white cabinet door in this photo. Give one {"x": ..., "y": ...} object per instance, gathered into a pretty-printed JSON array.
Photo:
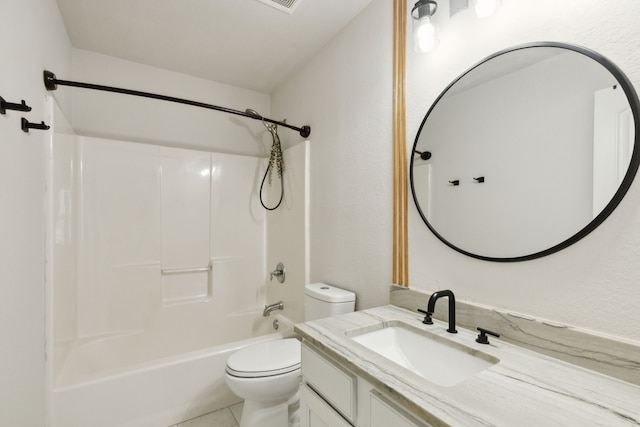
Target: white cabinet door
[
  {"x": 315, "y": 412},
  {"x": 335, "y": 384},
  {"x": 384, "y": 414}
]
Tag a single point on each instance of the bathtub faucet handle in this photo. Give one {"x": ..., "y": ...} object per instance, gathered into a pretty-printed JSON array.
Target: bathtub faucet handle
[{"x": 278, "y": 273}]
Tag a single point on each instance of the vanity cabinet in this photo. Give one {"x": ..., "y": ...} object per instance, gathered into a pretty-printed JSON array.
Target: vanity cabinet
[{"x": 332, "y": 396}]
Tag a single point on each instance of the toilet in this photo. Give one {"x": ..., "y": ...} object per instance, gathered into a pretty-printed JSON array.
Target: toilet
[{"x": 267, "y": 375}]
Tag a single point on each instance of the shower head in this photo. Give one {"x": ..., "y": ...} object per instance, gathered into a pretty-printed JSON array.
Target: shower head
[
  {"x": 305, "y": 131},
  {"x": 253, "y": 114}
]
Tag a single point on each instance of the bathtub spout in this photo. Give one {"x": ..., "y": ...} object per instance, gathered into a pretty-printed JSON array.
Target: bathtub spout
[{"x": 269, "y": 308}]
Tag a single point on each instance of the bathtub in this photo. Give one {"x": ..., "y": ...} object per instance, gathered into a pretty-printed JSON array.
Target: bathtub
[{"x": 100, "y": 387}]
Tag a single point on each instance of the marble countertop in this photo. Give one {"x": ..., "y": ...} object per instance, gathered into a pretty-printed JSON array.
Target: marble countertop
[{"x": 523, "y": 388}]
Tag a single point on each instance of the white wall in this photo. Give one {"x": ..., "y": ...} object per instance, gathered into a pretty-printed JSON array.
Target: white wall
[
  {"x": 592, "y": 284},
  {"x": 33, "y": 39},
  {"x": 131, "y": 118},
  {"x": 344, "y": 94}
]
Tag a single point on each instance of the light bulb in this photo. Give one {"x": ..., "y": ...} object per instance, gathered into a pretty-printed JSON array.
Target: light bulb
[
  {"x": 486, "y": 8},
  {"x": 425, "y": 35}
]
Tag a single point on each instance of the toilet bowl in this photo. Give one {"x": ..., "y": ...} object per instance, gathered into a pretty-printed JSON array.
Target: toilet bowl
[{"x": 266, "y": 375}]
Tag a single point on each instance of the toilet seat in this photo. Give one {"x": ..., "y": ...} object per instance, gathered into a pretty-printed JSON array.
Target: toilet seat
[{"x": 265, "y": 359}]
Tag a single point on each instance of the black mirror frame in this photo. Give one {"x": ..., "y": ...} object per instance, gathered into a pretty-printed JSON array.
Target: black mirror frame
[{"x": 634, "y": 103}]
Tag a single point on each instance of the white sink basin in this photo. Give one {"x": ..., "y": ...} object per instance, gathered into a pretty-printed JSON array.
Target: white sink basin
[{"x": 436, "y": 359}]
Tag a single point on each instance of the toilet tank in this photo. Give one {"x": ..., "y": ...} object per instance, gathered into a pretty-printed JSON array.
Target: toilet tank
[{"x": 322, "y": 300}]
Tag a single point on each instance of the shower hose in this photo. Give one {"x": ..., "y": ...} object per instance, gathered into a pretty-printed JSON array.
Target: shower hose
[{"x": 281, "y": 190}]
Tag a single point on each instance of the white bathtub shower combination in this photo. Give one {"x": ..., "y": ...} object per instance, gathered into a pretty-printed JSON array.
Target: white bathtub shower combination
[{"x": 156, "y": 274}]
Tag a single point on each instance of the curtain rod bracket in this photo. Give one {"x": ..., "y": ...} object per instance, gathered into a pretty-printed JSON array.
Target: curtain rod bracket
[
  {"x": 49, "y": 80},
  {"x": 51, "y": 83}
]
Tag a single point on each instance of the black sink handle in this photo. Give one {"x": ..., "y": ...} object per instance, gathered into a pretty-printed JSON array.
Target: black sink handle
[
  {"x": 427, "y": 317},
  {"x": 482, "y": 336}
]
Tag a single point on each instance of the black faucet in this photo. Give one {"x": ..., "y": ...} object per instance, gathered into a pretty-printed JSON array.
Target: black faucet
[{"x": 431, "y": 307}]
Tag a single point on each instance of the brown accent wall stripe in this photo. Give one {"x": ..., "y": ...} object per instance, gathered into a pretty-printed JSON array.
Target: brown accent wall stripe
[{"x": 400, "y": 203}]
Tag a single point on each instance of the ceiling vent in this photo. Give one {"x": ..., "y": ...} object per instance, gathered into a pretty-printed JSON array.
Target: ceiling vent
[{"x": 287, "y": 6}]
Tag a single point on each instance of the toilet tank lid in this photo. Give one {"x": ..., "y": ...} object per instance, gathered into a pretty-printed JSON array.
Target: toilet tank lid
[{"x": 329, "y": 293}]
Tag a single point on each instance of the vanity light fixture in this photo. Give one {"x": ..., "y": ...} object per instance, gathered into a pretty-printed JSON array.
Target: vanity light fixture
[
  {"x": 486, "y": 8},
  {"x": 424, "y": 32}
]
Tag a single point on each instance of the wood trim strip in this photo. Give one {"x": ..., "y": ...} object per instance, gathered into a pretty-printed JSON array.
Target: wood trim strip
[{"x": 400, "y": 191}]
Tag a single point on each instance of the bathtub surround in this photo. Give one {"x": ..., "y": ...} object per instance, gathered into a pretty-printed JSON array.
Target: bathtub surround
[
  {"x": 140, "y": 217},
  {"x": 605, "y": 354},
  {"x": 186, "y": 185}
]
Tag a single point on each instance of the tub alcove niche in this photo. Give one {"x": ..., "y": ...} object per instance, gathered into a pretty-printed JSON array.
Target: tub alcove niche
[{"x": 158, "y": 268}]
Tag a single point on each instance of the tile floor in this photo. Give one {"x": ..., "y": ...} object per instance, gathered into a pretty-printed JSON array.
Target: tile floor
[{"x": 225, "y": 417}]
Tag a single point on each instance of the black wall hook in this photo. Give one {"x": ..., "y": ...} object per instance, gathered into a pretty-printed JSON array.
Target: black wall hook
[
  {"x": 424, "y": 155},
  {"x": 455, "y": 182},
  {"x": 479, "y": 179},
  {"x": 4, "y": 106},
  {"x": 26, "y": 125}
]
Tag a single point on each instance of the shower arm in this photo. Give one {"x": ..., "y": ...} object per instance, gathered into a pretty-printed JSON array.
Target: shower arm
[{"x": 52, "y": 83}]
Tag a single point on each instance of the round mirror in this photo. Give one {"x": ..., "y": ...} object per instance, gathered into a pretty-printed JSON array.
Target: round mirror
[{"x": 526, "y": 152}]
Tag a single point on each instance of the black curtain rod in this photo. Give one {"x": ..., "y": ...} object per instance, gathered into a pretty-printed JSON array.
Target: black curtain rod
[{"x": 51, "y": 83}]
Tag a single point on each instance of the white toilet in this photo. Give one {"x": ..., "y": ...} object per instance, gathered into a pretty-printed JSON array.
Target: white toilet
[{"x": 267, "y": 375}]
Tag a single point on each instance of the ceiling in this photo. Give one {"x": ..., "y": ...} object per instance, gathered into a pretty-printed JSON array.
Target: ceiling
[{"x": 244, "y": 43}]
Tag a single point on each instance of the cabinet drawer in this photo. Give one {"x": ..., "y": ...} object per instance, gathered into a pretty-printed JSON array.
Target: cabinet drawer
[{"x": 337, "y": 386}]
